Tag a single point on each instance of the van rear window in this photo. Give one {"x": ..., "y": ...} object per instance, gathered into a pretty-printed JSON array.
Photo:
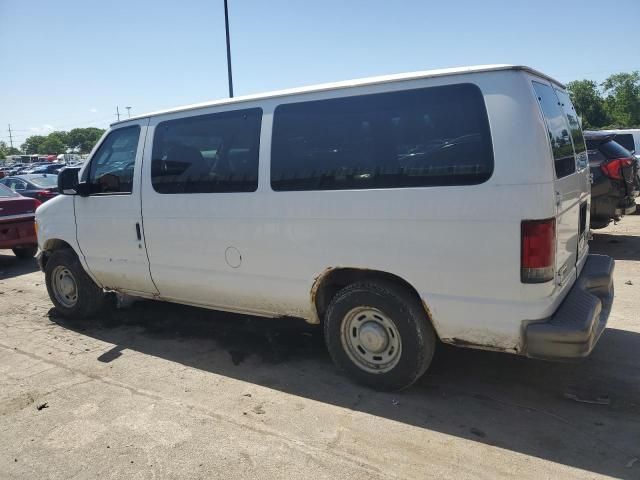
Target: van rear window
[
  {"x": 411, "y": 138},
  {"x": 558, "y": 129}
]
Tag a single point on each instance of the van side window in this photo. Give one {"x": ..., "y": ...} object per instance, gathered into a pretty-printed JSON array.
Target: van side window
[
  {"x": 111, "y": 169},
  {"x": 576, "y": 131},
  {"x": 207, "y": 153},
  {"x": 558, "y": 129},
  {"x": 411, "y": 138}
]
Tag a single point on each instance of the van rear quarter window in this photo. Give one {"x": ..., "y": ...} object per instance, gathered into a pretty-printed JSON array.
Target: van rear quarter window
[
  {"x": 211, "y": 153},
  {"x": 574, "y": 126},
  {"x": 558, "y": 129},
  {"x": 410, "y": 138}
]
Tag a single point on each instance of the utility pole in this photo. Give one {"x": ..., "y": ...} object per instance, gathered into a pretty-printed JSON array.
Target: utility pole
[
  {"x": 128, "y": 111},
  {"x": 118, "y": 113},
  {"x": 226, "y": 26},
  {"x": 10, "y": 137}
]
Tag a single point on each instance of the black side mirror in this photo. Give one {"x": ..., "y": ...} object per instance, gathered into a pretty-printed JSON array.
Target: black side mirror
[
  {"x": 83, "y": 189},
  {"x": 68, "y": 181}
]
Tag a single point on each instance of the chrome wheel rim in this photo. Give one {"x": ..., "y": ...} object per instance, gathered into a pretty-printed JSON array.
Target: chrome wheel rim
[
  {"x": 64, "y": 286},
  {"x": 371, "y": 340}
]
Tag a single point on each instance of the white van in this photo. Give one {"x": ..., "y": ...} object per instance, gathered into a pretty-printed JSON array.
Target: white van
[{"x": 393, "y": 211}]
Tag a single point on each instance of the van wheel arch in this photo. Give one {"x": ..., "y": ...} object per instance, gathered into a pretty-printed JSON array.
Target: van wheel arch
[
  {"x": 332, "y": 280},
  {"x": 52, "y": 245}
]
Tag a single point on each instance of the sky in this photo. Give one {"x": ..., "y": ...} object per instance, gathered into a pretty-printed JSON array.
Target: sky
[{"x": 70, "y": 63}]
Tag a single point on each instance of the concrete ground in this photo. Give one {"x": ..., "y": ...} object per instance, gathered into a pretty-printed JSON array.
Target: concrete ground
[{"x": 165, "y": 391}]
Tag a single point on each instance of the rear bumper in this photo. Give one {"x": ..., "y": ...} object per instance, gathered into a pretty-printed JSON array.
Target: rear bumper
[
  {"x": 18, "y": 234},
  {"x": 577, "y": 324}
]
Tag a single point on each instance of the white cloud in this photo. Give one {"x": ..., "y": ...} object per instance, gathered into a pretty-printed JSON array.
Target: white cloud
[
  {"x": 45, "y": 128},
  {"x": 93, "y": 110}
]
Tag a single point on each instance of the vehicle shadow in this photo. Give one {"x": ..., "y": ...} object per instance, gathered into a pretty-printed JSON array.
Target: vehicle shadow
[
  {"x": 620, "y": 247},
  {"x": 12, "y": 266},
  {"x": 496, "y": 399}
]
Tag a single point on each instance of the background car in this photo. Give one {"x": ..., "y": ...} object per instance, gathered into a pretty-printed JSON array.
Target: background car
[
  {"x": 17, "y": 223},
  {"x": 32, "y": 167},
  {"x": 42, "y": 186},
  {"x": 49, "y": 168},
  {"x": 615, "y": 179}
]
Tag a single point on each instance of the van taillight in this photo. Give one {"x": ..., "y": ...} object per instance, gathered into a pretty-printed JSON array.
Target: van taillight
[
  {"x": 538, "y": 252},
  {"x": 613, "y": 168}
]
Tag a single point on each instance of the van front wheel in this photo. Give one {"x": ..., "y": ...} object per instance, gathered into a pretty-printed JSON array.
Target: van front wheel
[
  {"x": 71, "y": 290},
  {"x": 379, "y": 334}
]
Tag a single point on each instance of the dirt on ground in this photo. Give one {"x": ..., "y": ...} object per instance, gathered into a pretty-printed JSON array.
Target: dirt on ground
[{"x": 167, "y": 391}]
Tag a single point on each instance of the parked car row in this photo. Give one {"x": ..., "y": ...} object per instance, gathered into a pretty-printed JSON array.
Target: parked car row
[{"x": 35, "y": 167}]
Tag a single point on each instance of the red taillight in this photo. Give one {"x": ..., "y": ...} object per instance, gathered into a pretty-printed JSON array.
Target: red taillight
[
  {"x": 613, "y": 168},
  {"x": 36, "y": 202},
  {"x": 538, "y": 252},
  {"x": 45, "y": 195}
]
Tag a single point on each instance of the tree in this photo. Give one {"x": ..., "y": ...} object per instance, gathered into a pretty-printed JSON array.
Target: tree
[
  {"x": 61, "y": 137},
  {"x": 32, "y": 144},
  {"x": 589, "y": 104},
  {"x": 52, "y": 145},
  {"x": 622, "y": 100},
  {"x": 83, "y": 139}
]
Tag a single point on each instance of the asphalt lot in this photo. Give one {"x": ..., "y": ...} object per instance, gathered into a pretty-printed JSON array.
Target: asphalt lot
[{"x": 165, "y": 391}]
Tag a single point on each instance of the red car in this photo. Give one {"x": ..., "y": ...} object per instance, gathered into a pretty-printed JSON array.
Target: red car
[{"x": 17, "y": 223}]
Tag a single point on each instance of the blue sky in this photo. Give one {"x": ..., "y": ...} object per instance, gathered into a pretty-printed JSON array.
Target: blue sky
[{"x": 68, "y": 63}]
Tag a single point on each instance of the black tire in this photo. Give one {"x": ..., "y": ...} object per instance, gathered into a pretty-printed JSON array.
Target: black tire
[
  {"x": 418, "y": 339},
  {"x": 25, "y": 253},
  {"x": 90, "y": 298}
]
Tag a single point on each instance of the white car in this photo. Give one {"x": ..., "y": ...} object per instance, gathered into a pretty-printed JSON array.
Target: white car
[{"x": 393, "y": 211}]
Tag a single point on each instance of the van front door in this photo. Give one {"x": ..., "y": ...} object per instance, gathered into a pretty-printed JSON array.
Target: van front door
[{"x": 109, "y": 220}]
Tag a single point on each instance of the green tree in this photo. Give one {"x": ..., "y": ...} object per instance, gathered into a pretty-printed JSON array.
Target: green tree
[
  {"x": 83, "y": 139},
  {"x": 622, "y": 100},
  {"x": 61, "y": 137},
  {"x": 589, "y": 104},
  {"x": 52, "y": 145},
  {"x": 32, "y": 144}
]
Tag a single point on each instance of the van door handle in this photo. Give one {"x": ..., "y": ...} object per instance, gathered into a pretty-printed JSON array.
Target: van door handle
[
  {"x": 558, "y": 199},
  {"x": 138, "y": 233}
]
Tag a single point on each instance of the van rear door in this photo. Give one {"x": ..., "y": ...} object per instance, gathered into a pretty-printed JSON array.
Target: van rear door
[{"x": 571, "y": 177}]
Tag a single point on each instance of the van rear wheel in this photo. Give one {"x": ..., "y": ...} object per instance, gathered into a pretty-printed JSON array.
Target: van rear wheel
[
  {"x": 379, "y": 334},
  {"x": 71, "y": 290}
]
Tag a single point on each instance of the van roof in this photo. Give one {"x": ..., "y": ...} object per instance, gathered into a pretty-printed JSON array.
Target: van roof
[{"x": 443, "y": 72}]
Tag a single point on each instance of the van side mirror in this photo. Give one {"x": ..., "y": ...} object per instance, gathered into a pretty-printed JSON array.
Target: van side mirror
[{"x": 68, "y": 181}]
